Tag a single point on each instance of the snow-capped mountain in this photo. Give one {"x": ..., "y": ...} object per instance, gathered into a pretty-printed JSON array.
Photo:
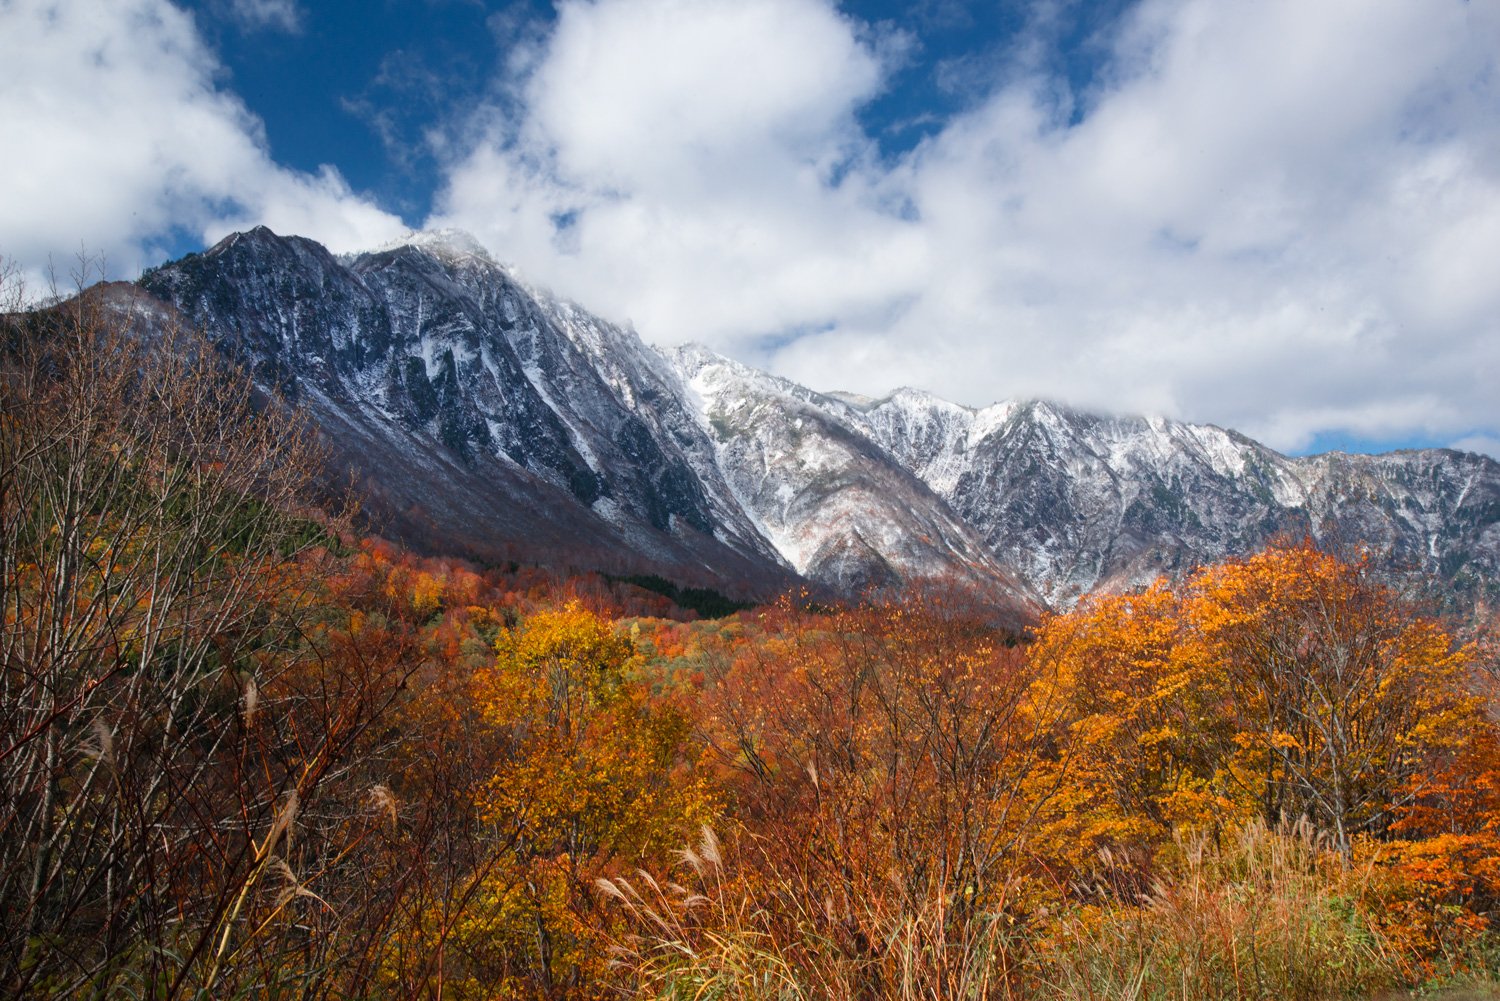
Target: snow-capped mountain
[
  {"x": 828, "y": 497},
  {"x": 1075, "y": 501},
  {"x": 478, "y": 414},
  {"x": 482, "y": 415}
]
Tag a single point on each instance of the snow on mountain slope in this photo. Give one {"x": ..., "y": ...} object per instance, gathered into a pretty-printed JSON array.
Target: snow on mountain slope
[
  {"x": 461, "y": 397},
  {"x": 1073, "y": 501},
  {"x": 831, "y": 500},
  {"x": 478, "y": 411},
  {"x": 1076, "y": 501}
]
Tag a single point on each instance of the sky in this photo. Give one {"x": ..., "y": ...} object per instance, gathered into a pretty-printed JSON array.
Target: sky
[{"x": 1281, "y": 216}]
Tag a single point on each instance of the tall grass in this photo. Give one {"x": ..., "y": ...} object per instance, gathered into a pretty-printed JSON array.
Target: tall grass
[
  {"x": 705, "y": 943},
  {"x": 1266, "y": 914},
  {"x": 717, "y": 940}
]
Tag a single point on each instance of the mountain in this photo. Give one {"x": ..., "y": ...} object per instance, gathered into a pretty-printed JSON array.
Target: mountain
[
  {"x": 1075, "y": 501},
  {"x": 832, "y": 501},
  {"x": 478, "y": 415},
  {"x": 483, "y": 416}
]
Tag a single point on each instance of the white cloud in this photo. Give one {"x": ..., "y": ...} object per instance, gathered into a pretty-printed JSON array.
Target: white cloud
[
  {"x": 283, "y": 15},
  {"x": 1276, "y": 216},
  {"x": 1279, "y": 216},
  {"x": 1483, "y": 444},
  {"x": 695, "y": 166},
  {"x": 117, "y": 137}
]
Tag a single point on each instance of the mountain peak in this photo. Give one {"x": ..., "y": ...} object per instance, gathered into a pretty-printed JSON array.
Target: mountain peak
[
  {"x": 448, "y": 244},
  {"x": 255, "y": 236},
  {"x": 859, "y": 401},
  {"x": 693, "y": 357}
]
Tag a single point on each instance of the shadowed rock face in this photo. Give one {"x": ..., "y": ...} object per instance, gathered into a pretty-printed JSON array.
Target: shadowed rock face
[{"x": 483, "y": 416}]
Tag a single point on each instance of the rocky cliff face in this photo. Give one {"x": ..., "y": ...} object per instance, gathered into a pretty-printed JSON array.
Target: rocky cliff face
[{"x": 485, "y": 416}]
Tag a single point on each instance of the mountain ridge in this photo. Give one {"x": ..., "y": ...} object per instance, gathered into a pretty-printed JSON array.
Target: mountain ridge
[{"x": 511, "y": 412}]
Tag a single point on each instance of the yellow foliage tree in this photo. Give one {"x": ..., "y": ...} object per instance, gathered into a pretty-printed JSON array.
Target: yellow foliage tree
[{"x": 597, "y": 778}]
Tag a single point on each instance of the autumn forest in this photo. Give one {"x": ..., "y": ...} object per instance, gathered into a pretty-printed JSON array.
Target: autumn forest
[{"x": 249, "y": 749}]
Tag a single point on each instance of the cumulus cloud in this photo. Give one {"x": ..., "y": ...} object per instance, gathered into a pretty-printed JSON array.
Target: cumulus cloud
[
  {"x": 1279, "y": 216},
  {"x": 695, "y": 166},
  {"x": 119, "y": 140},
  {"x": 1270, "y": 215}
]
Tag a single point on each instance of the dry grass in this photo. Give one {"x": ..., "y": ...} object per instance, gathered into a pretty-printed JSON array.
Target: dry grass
[
  {"x": 1267, "y": 915},
  {"x": 713, "y": 941},
  {"x": 1271, "y": 914}
]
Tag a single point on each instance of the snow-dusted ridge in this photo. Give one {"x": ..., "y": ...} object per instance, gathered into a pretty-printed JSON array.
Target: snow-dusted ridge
[
  {"x": 483, "y": 412},
  {"x": 447, "y": 243}
]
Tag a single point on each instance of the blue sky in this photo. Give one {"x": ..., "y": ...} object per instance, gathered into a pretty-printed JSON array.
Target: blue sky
[
  {"x": 1281, "y": 216},
  {"x": 360, "y": 84}
]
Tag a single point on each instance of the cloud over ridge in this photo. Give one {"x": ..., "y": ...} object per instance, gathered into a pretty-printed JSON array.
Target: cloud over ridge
[
  {"x": 1278, "y": 216},
  {"x": 123, "y": 137}
]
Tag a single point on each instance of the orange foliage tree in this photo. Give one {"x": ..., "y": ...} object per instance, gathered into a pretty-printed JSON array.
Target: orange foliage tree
[
  {"x": 1341, "y": 693},
  {"x": 885, "y": 765},
  {"x": 1284, "y": 685},
  {"x": 1146, "y": 730},
  {"x": 594, "y": 775}
]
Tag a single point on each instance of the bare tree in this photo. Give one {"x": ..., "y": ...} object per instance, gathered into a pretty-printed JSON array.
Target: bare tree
[{"x": 166, "y": 716}]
